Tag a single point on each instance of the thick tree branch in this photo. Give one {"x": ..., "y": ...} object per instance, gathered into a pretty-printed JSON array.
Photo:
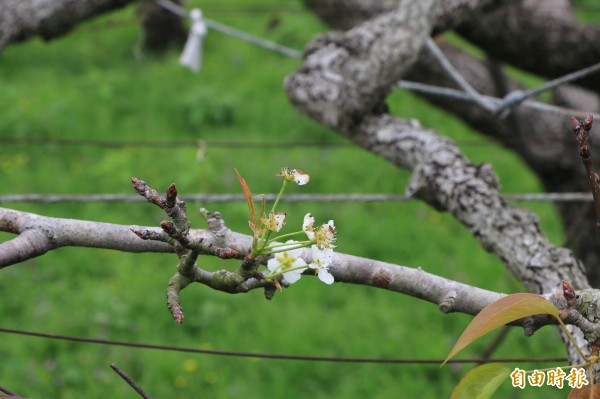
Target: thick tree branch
[
  {"x": 346, "y": 14},
  {"x": 540, "y": 36},
  {"x": 450, "y": 296},
  {"x": 22, "y": 19},
  {"x": 348, "y": 76},
  {"x": 38, "y": 235},
  {"x": 442, "y": 176}
]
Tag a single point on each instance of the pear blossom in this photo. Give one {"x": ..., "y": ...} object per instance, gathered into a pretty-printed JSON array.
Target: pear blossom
[
  {"x": 321, "y": 261},
  {"x": 307, "y": 226},
  {"x": 297, "y": 175},
  {"x": 275, "y": 221},
  {"x": 324, "y": 235},
  {"x": 288, "y": 260}
]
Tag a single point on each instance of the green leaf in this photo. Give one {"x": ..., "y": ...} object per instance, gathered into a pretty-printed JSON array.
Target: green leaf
[
  {"x": 505, "y": 310},
  {"x": 481, "y": 382}
]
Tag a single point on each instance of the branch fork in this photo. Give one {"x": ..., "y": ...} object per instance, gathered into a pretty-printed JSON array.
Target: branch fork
[{"x": 189, "y": 246}]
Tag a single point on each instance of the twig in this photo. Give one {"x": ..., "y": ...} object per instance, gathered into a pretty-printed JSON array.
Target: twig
[
  {"x": 581, "y": 131},
  {"x": 188, "y": 247},
  {"x": 130, "y": 381},
  {"x": 7, "y": 391}
]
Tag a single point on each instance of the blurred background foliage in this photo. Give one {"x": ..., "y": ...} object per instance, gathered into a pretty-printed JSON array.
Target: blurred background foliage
[{"x": 91, "y": 85}]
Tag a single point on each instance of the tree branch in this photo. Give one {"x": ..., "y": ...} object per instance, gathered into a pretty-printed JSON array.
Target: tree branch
[
  {"x": 442, "y": 176},
  {"x": 38, "y": 235},
  {"x": 539, "y": 36},
  {"x": 450, "y": 296},
  {"x": 346, "y": 76},
  {"x": 23, "y": 19}
]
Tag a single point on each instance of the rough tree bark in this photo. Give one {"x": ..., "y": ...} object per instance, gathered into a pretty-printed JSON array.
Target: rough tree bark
[
  {"x": 23, "y": 19},
  {"x": 544, "y": 38}
]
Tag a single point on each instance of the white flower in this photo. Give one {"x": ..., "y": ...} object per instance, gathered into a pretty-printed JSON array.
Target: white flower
[
  {"x": 321, "y": 261},
  {"x": 307, "y": 226},
  {"x": 324, "y": 236},
  {"x": 275, "y": 221},
  {"x": 297, "y": 175},
  {"x": 288, "y": 260}
]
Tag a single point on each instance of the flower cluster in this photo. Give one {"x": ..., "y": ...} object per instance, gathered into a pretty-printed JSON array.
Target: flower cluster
[{"x": 287, "y": 260}]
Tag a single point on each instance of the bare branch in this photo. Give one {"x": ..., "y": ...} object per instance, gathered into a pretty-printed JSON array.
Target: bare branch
[
  {"x": 38, "y": 235},
  {"x": 129, "y": 381},
  {"x": 581, "y": 131},
  {"x": 345, "y": 268}
]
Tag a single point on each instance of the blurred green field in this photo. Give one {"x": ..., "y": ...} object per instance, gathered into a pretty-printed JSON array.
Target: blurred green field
[{"x": 89, "y": 85}]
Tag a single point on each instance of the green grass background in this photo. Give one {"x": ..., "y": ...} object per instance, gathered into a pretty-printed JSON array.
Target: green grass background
[{"x": 89, "y": 85}]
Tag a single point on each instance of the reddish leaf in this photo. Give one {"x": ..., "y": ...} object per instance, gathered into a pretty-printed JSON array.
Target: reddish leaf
[
  {"x": 585, "y": 392},
  {"x": 249, "y": 199},
  {"x": 501, "y": 312},
  {"x": 481, "y": 382}
]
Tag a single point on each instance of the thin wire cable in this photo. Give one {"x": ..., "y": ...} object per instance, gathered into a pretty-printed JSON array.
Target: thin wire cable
[
  {"x": 272, "y": 356},
  {"x": 238, "y": 34},
  {"x": 223, "y": 198},
  {"x": 229, "y": 145},
  {"x": 515, "y": 98},
  {"x": 469, "y": 94},
  {"x": 460, "y": 95},
  {"x": 457, "y": 76},
  {"x": 168, "y": 144}
]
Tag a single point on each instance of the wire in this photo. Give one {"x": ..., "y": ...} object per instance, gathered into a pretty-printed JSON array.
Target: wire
[
  {"x": 460, "y": 95},
  {"x": 503, "y": 106},
  {"x": 457, "y": 76},
  {"x": 167, "y": 144},
  {"x": 238, "y": 34},
  {"x": 513, "y": 99},
  {"x": 272, "y": 356},
  {"x": 222, "y": 198},
  {"x": 230, "y": 145}
]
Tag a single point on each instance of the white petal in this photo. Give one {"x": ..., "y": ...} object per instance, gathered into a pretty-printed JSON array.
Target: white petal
[
  {"x": 299, "y": 262},
  {"x": 293, "y": 276},
  {"x": 273, "y": 264},
  {"x": 325, "y": 276},
  {"x": 300, "y": 177},
  {"x": 322, "y": 256},
  {"x": 307, "y": 226}
]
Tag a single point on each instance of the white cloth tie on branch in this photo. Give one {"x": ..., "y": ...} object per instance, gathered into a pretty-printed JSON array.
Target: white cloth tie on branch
[{"x": 191, "y": 57}]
